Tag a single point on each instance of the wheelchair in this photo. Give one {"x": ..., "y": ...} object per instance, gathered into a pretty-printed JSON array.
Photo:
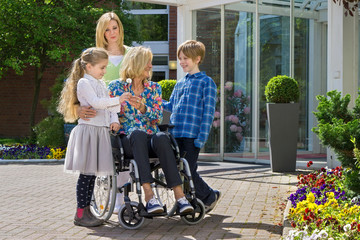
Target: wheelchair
[{"x": 132, "y": 214}]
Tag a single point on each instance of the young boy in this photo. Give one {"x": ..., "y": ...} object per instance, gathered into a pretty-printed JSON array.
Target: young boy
[{"x": 192, "y": 107}]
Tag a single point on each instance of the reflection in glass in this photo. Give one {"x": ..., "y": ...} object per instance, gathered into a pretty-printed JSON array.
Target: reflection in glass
[
  {"x": 208, "y": 32},
  {"x": 152, "y": 27},
  {"x": 238, "y": 82},
  {"x": 274, "y": 60},
  {"x": 301, "y": 74},
  {"x": 239, "y": 76}
]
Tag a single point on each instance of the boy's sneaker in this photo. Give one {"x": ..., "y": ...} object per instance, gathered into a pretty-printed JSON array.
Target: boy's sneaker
[
  {"x": 184, "y": 205},
  {"x": 210, "y": 207},
  {"x": 153, "y": 206}
]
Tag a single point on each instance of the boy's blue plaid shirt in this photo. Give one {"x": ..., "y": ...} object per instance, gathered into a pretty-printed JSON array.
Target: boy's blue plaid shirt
[{"x": 192, "y": 104}]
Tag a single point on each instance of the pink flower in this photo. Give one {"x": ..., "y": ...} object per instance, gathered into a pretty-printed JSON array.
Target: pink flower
[
  {"x": 233, "y": 128},
  {"x": 247, "y": 110},
  {"x": 239, "y": 137},
  {"x": 216, "y": 123},
  {"x": 217, "y": 114},
  {"x": 229, "y": 85},
  {"x": 235, "y": 119},
  {"x": 238, "y": 93},
  {"x": 239, "y": 129}
]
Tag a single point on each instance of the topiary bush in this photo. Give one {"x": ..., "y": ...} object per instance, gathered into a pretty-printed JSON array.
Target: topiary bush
[
  {"x": 282, "y": 89},
  {"x": 167, "y": 87}
]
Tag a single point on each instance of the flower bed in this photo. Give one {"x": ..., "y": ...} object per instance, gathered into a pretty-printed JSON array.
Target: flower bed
[
  {"x": 322, "y": 207},
  {"x": 30, "y": 151}
]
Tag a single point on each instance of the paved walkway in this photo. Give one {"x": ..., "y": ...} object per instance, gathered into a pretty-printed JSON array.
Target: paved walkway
[{"x": 38, "y": 202}]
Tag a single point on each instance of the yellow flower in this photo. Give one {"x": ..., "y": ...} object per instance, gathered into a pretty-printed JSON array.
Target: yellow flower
[
  {"x": 310, "y": 197},
  {"x": 57, "y": 153},
  {"x": 330, "y": 195}
]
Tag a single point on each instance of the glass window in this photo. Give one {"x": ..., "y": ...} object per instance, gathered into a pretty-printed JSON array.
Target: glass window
[
  {"x": 301, "y": 74},
  {"x": 140, "y": 5},
  {"x": 158, "y": 76},
  {"x": 274, "y": 60},
  {"x": 160, "y": 60},
  {"x": 238, "y": 83},
  {"x": 208, "y": 32},
  {"x": 152, "y": 27}
]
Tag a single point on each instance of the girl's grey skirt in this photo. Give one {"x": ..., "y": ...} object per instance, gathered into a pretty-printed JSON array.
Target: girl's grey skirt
[{"x": 89, "y": 151}]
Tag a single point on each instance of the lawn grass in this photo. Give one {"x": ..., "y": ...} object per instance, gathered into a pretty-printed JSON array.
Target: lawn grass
[{"x": 12, "y": 141}]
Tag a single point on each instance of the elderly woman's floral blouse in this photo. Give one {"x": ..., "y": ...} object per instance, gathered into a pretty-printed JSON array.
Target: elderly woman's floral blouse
[{"x": 130, "y": 118}]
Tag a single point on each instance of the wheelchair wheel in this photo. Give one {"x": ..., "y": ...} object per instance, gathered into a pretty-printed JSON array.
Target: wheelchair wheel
[
  {"x": 103, "y": 200},
  {"x": 196, "y": 216},
  {"x": 163, "y": 193},
  {"x": 130, "y": 220}
]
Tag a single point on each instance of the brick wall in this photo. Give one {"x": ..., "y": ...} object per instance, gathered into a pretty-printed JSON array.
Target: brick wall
[
  {"x": 172, "y": 38},
  {"x": 16, "y": 100}
]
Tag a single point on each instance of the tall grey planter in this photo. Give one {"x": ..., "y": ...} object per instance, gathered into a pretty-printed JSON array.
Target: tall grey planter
[{"x": 283, "y": 135}]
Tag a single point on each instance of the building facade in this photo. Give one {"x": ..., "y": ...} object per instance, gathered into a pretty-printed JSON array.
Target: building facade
[{"x": 247, "y": 43}]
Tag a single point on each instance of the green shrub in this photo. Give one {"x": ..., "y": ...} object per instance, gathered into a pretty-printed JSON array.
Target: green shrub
[
  {"x": 282, "y": 89},
  {"x": 167, "y": 87},
  {"x": 337, "y": 126},
  {"x": 50, "y": 132}
]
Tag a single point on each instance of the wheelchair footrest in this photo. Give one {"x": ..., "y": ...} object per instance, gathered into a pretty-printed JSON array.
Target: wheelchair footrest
[{"x": 145, "y": 214}]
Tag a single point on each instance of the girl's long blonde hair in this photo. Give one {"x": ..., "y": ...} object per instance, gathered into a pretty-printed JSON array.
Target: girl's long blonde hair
[
  {"x": 134, "y": 63},
  {"x": 101, "y": 26},
  {"x": 68, "y": 99}
]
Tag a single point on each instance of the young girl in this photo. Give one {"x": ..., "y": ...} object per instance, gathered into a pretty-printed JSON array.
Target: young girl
[
  {"x": 89, "y": 148},
  {"x": 110, "y": 35}
]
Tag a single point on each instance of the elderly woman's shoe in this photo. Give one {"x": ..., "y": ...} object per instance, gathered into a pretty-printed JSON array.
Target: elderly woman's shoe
[{"x": 153, "y": 206}]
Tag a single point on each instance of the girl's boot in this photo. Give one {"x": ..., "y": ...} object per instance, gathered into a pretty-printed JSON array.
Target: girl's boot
[
  {"x": 82, "y": 218},
  {"x": 89, "y": 214}
]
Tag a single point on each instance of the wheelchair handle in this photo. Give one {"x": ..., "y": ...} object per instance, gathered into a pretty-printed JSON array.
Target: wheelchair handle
[{"x": 165, "y": 127}]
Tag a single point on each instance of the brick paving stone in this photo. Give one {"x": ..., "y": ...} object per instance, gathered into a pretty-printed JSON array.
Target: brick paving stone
[{"x": 38, "y": 202}]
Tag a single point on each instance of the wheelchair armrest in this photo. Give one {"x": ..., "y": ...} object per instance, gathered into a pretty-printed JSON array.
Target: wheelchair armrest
[{"x": 165, "y": 127}]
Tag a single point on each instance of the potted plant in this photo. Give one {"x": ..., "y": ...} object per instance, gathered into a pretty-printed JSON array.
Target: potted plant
[{"x": 282, "y": 95}]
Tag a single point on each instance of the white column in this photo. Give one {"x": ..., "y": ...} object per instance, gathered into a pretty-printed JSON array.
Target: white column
[
  {"x": 343, "y": 45},
  {"x": 184, "y": 30}
]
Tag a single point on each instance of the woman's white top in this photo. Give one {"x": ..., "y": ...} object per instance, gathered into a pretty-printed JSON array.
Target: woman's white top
[
  {"x": 93, "y": 92},
  {"x": 115, "y": 59}
]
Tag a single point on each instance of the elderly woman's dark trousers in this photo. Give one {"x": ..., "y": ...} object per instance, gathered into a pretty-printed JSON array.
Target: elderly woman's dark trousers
[{"x": 141, "y": 146}]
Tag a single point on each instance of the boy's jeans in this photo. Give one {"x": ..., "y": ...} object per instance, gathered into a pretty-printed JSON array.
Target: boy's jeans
[{"x": 202, "y": 190}]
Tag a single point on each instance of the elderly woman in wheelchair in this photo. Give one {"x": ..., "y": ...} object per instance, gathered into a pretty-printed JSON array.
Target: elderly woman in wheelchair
[{"x": 140, "y": 140}]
